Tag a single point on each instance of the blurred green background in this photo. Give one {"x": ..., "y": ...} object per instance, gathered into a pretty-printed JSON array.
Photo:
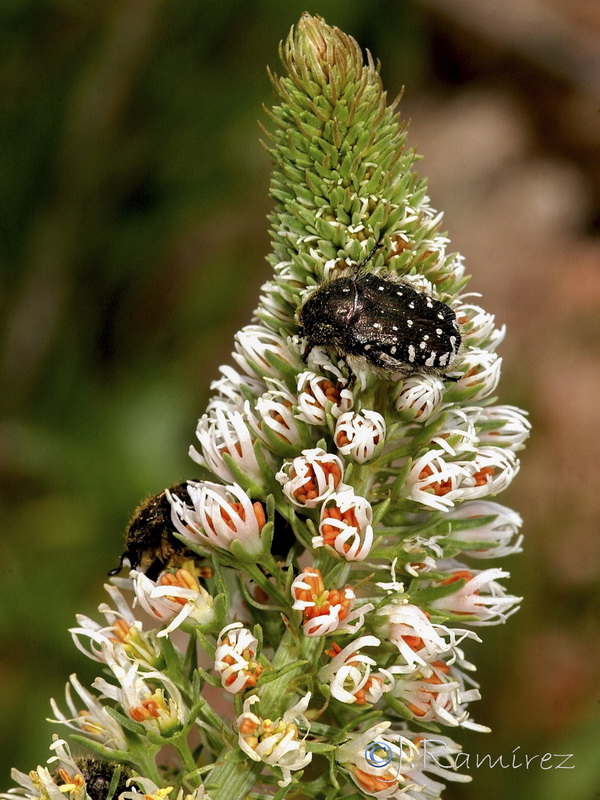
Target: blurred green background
[{"x": 133, "y": 236}]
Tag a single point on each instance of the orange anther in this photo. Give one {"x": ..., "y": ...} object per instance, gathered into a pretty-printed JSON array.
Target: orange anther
[
  {"x": 456, "y": 576},
  {"x": 481, "y": 477},
  {"x": 440, "y": 488},
  {"x": 247, "y": 726}
]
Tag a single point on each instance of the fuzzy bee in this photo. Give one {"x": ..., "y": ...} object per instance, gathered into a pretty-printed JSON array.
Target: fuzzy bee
[
  {"x": 378, "y": 322},
  {"x": 150, "y": 545}
]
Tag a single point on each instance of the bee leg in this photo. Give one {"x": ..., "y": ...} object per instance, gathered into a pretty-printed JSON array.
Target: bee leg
[{"x": 118, "y": 569}]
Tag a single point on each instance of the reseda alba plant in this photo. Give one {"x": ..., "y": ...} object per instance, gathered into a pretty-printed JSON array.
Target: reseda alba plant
[{"x": 293, "y": 621}]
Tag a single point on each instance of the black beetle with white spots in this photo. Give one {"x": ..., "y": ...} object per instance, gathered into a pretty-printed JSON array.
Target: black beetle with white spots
[{"x": 382, "y": 324}]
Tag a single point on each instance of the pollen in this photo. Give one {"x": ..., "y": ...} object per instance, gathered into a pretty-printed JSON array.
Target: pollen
[
  {"x": 457, "y": 576},
  {"x": 329, "y": 389},
  {"x": 183, "y": 579},
  {"x": 321, "y": 600},
  {"x": 374, "y": 783},
  {"x": 121, "y": 630},
  {"x": 238, "y": 508},
  {"x": 481, "y": 477},
  {"x": 331, "y": 532},
  {"x": 361, "y": 694},
  {"x": 309, "y": 489},
  {"x": 439, "y": 488}
]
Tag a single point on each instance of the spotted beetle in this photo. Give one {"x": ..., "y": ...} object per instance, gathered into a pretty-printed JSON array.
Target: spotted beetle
[{"x": 381, "y": 323}]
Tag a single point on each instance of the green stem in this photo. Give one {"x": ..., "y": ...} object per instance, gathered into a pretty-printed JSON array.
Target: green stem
[
  {"x": 261, "y": 580},
  {"x": 187, "y": 758},
  {"x": 147, "y": 766},
  {"x": 232, "y": 780}
]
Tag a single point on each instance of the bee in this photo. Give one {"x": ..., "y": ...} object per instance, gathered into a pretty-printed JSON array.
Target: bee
[
  {"x": 150, "y": 545},
  {"x": 97, "y": 775},
  {"x": 378, "y": 322}
]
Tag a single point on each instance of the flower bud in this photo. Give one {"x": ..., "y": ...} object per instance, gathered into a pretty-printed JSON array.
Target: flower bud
[
  {"x": 252, "y": 344},
  {"x": 359, "y": 435},
  {"x": 225, "y": 431},
  {"x": 316, "y": 392},
  {"x": 310, "y": 478},
  {"x": 420, "y": 396},
  {"x": 346, "y": 525},
  {"x": 235, "y": 658}
]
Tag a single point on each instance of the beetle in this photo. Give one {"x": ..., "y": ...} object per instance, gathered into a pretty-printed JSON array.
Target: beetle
[{"x": 378, "y": 322}]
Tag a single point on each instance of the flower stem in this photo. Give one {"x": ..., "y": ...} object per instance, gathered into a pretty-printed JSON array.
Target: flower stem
[{"x": 232, "y": 779}]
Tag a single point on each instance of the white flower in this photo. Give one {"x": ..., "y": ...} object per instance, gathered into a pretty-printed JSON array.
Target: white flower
[
  {"x": 235, "y": 658},
  {"x": 320, "y": 363},
  {"x": 233, "y": 389},
  {"x": 457, "y": 435},
  {"x": 316, "y": 393},
  {"x": 65, "y": 777},
  {"x": 418, "y": 640},
  {"x": 503, "y": 426},
  {"x": 173, "y": 596},
  {"x": 480, "y": 372},
  {"x": 346, "y": 525},
  {"x": 436, "y": 755},
  {"x": 277, "y": 742},
  {"x": 420, "y": 396},
  {"x": 310, "y": 478},
  {"x": 439, "y": 483},
  {"x": 377, "y": 761},
  {"x": 323, "y": 609},
  {"x": 350, "y": 676},
  {"x": 65, "y": 780},
  {"x": 439, "y": 697},
  {"x": 122, "y": 627},
  {"x": 159, "y": 709},
  {"x": 480, "y": 596},
  {"x": 492, "y": 470},
  {"x": 219, "y": 516},
  {"x": 436, "y": 482},
  {"x": 417, "y": 547},
  {"x": 274, "y": 303},
  {"x": 275, "y": 410},
  {"x": 360, "y": 434},
  {"x": 225, "y": 432},
  {"x": 482, "y": 522},
  {"x": 94, "y": 721},
  {"x": 478, "y": 328},
  {"x": 150, "y": 791},
  {"x": 255, "y": 344}
]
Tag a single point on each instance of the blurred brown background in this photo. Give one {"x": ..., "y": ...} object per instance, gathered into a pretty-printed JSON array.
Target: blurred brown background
[{"x": 133, "y": 196}]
